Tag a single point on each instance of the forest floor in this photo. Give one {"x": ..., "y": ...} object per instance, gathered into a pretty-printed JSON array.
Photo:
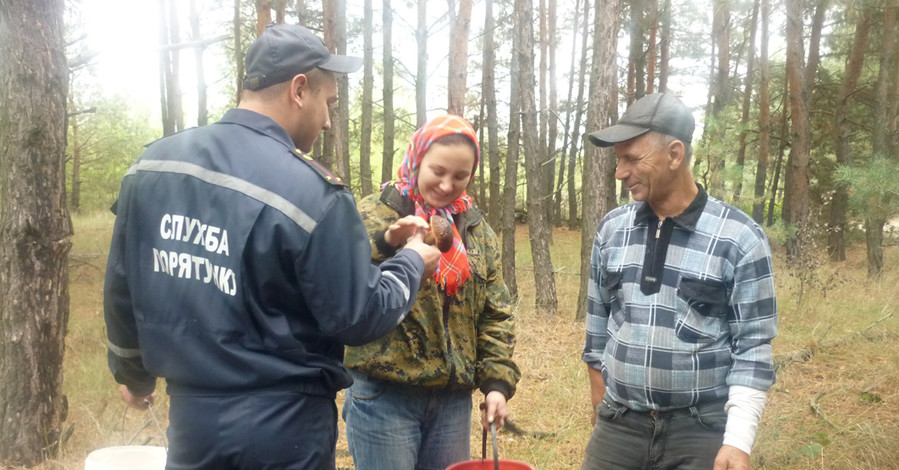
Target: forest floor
[{"x": 835, "y": 404}]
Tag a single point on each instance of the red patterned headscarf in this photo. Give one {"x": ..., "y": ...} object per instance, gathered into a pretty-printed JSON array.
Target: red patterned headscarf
[{"x": 453, "y": 269}]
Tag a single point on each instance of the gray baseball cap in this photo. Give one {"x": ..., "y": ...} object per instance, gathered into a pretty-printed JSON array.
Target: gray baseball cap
[
  {"x": 283, "y": 51},
  {"x": 660, "y": 112}
]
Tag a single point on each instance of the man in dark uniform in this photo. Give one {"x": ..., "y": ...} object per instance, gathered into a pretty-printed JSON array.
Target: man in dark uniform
[{"x": 239, "y": 268}]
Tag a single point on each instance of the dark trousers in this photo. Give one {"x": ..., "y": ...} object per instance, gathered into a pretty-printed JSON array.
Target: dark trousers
[
  {"x": 684, "y": 439},
  {"x": 265, "y": 431}
]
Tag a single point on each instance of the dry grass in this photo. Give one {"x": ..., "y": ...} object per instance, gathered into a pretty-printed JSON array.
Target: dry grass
[{"x": 838, "y": 410}]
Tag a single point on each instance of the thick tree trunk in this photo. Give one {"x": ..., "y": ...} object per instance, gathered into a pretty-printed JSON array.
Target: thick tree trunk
[
  {"x": 538, "y": 226},
  {"x": 836, "y": 241},
  {"x": 800, "y": 148},
  {"x": 599, "y": 163},
  {"x": 387, "y": 61},
  {"x": 35, "y": 229},
  {"x": 458, "y": 62},
  {"x": 263, "y": 15},
  {"x": 367, "y": 105},
  {"x": 761, "y": 170},
  {"x": 510, "y": 182}
]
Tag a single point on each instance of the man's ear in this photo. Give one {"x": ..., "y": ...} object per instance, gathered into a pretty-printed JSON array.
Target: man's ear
[
  {"x": 299, "y": 86},
  {"x": 676, "y": 153}
]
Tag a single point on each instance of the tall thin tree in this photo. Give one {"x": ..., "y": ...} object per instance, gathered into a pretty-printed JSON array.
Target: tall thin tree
[
  {"x": 458, "y": 56},
  {"x": 421, "y": 74},
  {"x": 567, "y": 129},
  {"x": 874, "y": 220},
  {"x": 598, "y": 190},
  {"x": 836, "y": 242},
  {"x": 538, "y": 226},
  {"x": 367, "y": 102},
  {"x": 387, "y": 92},
  {"x": 747, "y": 99},
  {"x": 510, "y": 181},
  {"x": 489, "y": 85},
  {"x": 761, "y": 170}
]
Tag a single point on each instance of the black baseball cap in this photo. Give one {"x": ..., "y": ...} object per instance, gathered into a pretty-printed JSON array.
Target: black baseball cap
[
  {"x": 660, "y": 112},
  {"x": 283, "y": 51}
]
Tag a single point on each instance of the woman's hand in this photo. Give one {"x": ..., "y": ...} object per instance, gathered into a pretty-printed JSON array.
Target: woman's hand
[
  {"x": 399, "y": 232},
  {"x": 494, "y": 410}
]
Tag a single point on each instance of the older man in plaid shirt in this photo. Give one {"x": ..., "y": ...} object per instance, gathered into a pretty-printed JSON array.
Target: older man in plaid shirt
[{"x": 681, "y": 309}]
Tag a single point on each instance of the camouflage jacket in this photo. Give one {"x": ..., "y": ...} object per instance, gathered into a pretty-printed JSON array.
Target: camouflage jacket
[{"x": 459, "y": 342}]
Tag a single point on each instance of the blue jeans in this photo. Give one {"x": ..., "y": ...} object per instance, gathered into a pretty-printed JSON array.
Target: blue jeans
[
  {"x": 684, "y": 439},
  {"x": 391, "y": 426}
]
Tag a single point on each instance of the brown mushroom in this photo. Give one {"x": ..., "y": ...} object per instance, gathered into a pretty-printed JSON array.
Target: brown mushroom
[{"x": 441, "y": 234}]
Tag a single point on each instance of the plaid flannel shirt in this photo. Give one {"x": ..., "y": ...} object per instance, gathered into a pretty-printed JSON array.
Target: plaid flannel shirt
[{"x": 709, "y": 323}]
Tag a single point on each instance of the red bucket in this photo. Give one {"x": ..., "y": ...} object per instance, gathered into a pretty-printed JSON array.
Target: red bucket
[{"x": 487, "y": 464}]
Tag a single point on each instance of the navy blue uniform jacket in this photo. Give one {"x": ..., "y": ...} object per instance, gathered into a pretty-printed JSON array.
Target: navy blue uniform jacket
[{"x": 239, "y": 264}]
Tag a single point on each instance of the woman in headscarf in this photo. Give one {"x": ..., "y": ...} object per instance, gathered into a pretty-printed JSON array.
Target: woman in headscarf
[{"x": 410, "y": 405}]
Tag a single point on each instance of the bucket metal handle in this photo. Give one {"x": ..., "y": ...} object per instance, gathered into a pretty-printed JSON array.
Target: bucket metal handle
[{"x": 484, "y": 446}]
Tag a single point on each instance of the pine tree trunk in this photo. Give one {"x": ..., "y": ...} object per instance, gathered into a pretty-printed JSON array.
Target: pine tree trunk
[
  {"x": 202, "y": 111},
  {"x": 568, "y": 130},
  {"x": 653, "y": 20},
  {"x": 538, "y": 226},
  {"x": 387, "y": 61},
  {"x": 747, "y": 100},
  {"x": 761, "y": 171},
  {"x": 494, "y": 212},
  {"x": 576, "y": 140},
  {"x": 35, "y": 229},
  {"x": 368, "y": 80},
  {"x": 880, "y": 140},
  {"x": 510, "y": 183},
  {"x": 598, "y": 191},
  {"x": 458, "y": 53},
  {"x": 836, "y": 241},
  {"x": 238, "y": 52},
  {"x": 664, "y": 44},
  {"x": 552, "y": 154},
  {"x": 421, "y": 76},
  {"x": 343, "y": 105},
  {"x": 798, "y": 179}
]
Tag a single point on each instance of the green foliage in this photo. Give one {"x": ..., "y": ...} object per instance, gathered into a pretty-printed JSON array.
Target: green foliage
[
  {"x": 870, "y": 398},
  {"x": 874, "y": 188},
  {"x": 110, "y": 140}
]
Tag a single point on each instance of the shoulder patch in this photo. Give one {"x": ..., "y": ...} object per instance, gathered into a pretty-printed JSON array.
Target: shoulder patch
[{"x": 318, "y": 168}]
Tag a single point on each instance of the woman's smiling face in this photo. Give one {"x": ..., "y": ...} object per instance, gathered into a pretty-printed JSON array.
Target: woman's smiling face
[{"x": 445, "y": 172}]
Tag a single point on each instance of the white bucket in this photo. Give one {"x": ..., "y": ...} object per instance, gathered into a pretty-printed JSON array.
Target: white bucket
[{"x": 126, "y": 458}]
